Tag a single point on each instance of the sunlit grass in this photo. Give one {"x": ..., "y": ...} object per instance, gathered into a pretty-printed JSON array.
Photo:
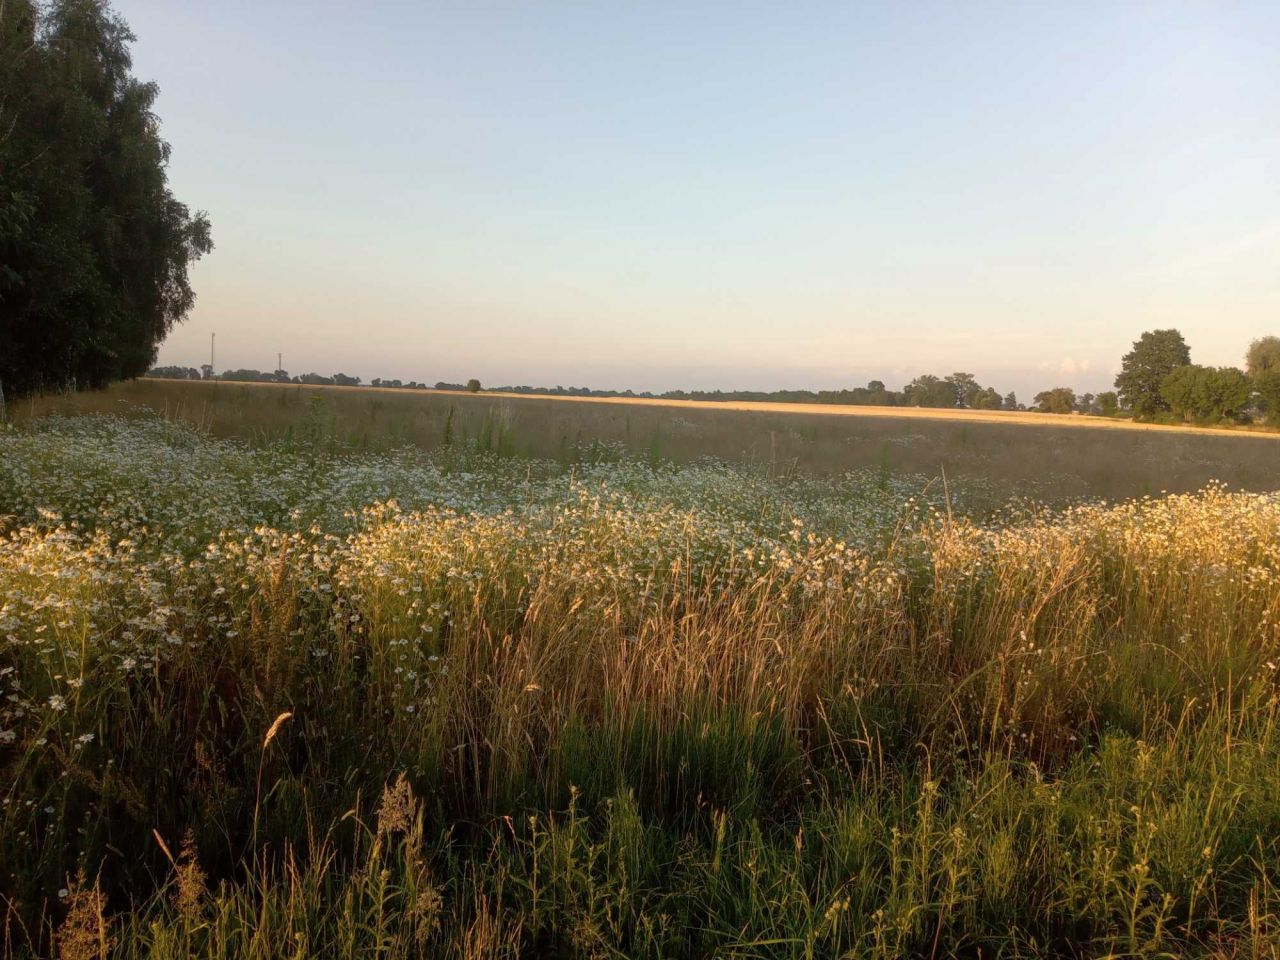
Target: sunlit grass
[{"x": 289, "y": 700}]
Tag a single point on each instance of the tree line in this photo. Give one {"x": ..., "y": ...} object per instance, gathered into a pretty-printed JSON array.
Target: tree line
[
  {"x": 955, "y": 390},
  {"x": 205, "y": 372},
  {"x": 1157, "y": 381},
  {"x": 958, "y": 390}
]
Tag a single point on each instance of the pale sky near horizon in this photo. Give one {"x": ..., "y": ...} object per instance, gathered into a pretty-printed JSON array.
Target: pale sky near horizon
[{"x": 716, "y": 195}]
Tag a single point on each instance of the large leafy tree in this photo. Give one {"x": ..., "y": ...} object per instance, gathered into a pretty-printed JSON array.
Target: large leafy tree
[
  {"x": 966, "y": 388},
  {"x": 94, "y": 248},
  {"x": 1155, "y": 355}
]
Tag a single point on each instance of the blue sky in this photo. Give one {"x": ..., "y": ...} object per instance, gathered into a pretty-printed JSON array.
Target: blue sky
[{"x": 722, "y": 195}]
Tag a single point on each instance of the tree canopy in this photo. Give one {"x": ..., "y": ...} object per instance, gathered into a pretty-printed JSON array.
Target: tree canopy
[
  {"x": 1155, "y": 355},
  {"x": 1263, "y": 356},
  {"x": 1207, "y": 394},
  {"x": 94, "y": 248},
  {"x": 1057, "y": 400}
]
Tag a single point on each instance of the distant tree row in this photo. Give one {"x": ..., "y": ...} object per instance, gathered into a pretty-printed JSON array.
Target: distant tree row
[
  {"x": 960, "y": 390},
  {"x": 304, "y": 379},
  {"x": 559, "y": 391},
  {"x": 175, "y": 373},
  {"x": 957, "y": 391},
  {"x": 1065, "y": 400},
  {"x": 1157, "y": 381}
]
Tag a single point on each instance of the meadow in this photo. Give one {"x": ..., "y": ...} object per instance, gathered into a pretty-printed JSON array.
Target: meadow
[
  {"x": 1047, "y": 456},
  {"x": 327, "y": 674}
]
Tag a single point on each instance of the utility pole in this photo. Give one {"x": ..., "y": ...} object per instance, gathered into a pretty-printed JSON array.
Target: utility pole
[{"x": 209, "y": 370}]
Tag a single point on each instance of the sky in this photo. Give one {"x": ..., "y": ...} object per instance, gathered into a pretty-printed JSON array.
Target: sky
[{"x": 721, "y": 195}]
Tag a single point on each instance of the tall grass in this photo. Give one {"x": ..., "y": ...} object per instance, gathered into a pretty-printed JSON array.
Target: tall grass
[
  {"x": 268, "y": 702},
  {"x": 1034, "y": 455}
]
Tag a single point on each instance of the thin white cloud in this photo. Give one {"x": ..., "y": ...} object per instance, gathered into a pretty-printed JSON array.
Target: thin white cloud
[
  {"x": 1266, "y": 237},
  {"x": 1067, "y": 365}
]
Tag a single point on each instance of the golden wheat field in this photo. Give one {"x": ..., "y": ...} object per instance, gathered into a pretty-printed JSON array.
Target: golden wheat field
[{"x": 341, "y": 673}]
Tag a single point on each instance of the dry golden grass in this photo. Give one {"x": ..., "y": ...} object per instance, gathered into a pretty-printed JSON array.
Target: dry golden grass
[
  {"x": 1031, "y": 453},
  {"x": 1027, "y": 417},
  {"x": 893, "y": 413}
]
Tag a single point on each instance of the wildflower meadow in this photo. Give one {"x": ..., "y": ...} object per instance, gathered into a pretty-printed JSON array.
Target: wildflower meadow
[{"x": 263, "y": 701}]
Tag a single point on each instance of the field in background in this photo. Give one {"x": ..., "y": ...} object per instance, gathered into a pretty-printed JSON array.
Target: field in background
[{"x": 1052, "y": 457}]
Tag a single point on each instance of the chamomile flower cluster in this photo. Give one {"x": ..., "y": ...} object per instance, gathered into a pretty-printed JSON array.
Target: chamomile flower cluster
[{"x": 129, "y": 544}]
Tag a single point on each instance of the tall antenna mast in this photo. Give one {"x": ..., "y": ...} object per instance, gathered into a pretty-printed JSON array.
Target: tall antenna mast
[
  {"x": 279, "y": 361},
  {"x": 212, "y": 365}
]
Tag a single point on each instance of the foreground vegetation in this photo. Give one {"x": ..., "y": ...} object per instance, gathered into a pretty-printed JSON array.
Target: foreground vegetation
[{"x": 269, "y": 702}]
